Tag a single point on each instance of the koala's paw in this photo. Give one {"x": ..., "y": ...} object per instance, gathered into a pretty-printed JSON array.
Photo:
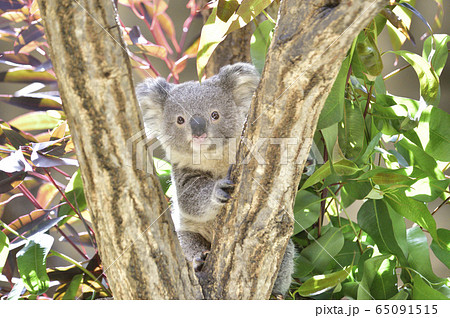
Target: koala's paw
[
  {"x": 199, "y": 261},
  {"x": 223, "y": 189}
]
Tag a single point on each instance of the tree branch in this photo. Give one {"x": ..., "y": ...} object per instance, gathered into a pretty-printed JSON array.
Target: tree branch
[
  {"x": 311, "y": 39},
  {"x": 134, "y": 231}
]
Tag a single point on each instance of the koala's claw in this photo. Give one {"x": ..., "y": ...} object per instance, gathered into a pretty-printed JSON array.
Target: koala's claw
[
  {"x": 223, "y": 189},
  {"x": 198, "y": 262}
]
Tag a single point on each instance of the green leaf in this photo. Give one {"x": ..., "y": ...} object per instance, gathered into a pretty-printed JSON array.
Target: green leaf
[
  {"x": 306, "y": 210},
  {"x": 226, "y": 8},
  {"x": 374, "y": 218},
  {"x": 163, "y": 170},
  {"x": 75, "y": 193},
  {"x": 4, "y": 249},
  {"x": 321, "y": 283},
  {"x": 247, "y": 11},
  {"x": 342, "y": 168},
  {"x": 366, "y": 255},
  {"x": 421, "y": 159},
  {"x": 428, "y": 79},
  {"x": 321, "y": 252},
  {"x": 438, "y": 54},
  {"x": 399, "y": 227},
  {"x": 413, "y": 210},
  {"x": 423, "y": 291},
  {"x": 357, "y": 190},
  {"x": 370, "y": 149},
  {"x": 392, "y": 120},
  {"x": 31, "y": 262},
  {"x": 401, "y": 295},
  {"x": 427, "y": 189},
  {"x": 302, "y": 267},
  {"x": 434, "y": 133},
  {"x": 333, "y": 109},
  {"x": 330, "y": 136},
  {"x": 419, "y": 256},
  {"x": 348, "y": 255},
  {"x": 441, "y": 248},
  {"x": 384, "y": 283},
  {"x": 369, "y": 56},
  {"x": 71, "y": 292},
  {"x": 351, "y": 131},
  {"x": 396, "y": 36},
  {"x": 37, "y": 120},
  {"x": 374, "y": 268},
  {"x": 215, "y": 30},
  {"x": 259, "y": 43},
  {"x": 386, "y": 178}
]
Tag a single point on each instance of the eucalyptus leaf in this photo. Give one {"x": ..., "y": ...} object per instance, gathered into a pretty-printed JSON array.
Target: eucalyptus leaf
[
  {"x": 441, "y": 248},
  {"x": 342, "y": 168},
  {"x": 71, "y": 292},
  {"x": 163, "y": 170},
  {"x": 401, "y": 295},
  {"x": 434, "y": 133},
  {"x": 419, "y": 256},
  {"x": 436, "y": 56},
  {"x": 302, "y": 267},
  {"x": 384, "y": 283},
  {"x": 413, "y": 210},
  {"x": 260, "y": 41},
  {"x": 306, "y": 210},
  {"x": 427, "y": 189},
  {"x": 321, "y": 283},
  {"x": 333, "y": 108},
  {"x": 322, "y": 251},
  {"x": 31, "y": 262},
  {"x": 371, "y": 271},
  {"x": 423, "y": 291},
  {"x": 374, "y": 218},
  {"x": 351, "y": 131},
  {"x": 428, "y": 79}
]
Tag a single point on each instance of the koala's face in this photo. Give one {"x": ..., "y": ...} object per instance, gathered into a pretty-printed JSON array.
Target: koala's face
[
  {"x": 191, "y": 114},
  {"x": 195, "y": 114}
]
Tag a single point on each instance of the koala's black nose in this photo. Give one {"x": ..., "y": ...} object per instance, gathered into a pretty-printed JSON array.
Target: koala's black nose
[{"x": 198, "y": 125}]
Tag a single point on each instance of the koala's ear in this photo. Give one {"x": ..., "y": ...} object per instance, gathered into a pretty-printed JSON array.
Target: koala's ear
[
  {"x": 242, "y": 80},
  {"x": 151, "y": 95}
]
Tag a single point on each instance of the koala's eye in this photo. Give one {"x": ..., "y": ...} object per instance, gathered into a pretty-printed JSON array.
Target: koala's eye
[
  {"x": 215, "y": 115},
  {"x": 180, "y": 120}
]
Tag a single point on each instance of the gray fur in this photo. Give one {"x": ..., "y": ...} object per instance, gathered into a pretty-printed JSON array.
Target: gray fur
[{"x": 200, "y": 182}]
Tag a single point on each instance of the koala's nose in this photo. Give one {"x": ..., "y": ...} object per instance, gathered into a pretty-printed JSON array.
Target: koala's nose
[{"x": 198, "y": 125}]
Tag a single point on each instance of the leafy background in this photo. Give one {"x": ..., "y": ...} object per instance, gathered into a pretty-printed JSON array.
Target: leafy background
[{"x": 84, "y": 279}]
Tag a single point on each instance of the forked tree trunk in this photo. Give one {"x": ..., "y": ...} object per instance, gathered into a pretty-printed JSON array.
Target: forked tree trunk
[
  {"x": 310, "y": 41},
  {"x": 136, "y": 240}
]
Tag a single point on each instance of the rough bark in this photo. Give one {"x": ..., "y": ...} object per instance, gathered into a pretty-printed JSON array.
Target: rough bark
[
  {"x": 310, "y": 41},
  {"x": 134, "y": 231}
]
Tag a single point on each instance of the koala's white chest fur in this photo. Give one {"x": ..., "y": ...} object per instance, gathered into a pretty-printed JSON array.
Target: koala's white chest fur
[{"x": 216, "y": 162}]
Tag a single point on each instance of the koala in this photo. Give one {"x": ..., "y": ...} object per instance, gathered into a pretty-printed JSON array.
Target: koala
[{"x": 198, "y": 126}]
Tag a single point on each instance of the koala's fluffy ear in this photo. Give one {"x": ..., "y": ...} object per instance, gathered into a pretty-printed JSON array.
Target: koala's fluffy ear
[
  {"x": 152, "y": 94},
  {"x": 242, "y": 80}
]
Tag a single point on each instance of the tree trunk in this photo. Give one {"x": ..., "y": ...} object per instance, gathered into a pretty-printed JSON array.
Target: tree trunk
[
  {"x": 134, "y": 231},
  {"x": 136, "y": 239},
  {"x": 310, "y": 41}
]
